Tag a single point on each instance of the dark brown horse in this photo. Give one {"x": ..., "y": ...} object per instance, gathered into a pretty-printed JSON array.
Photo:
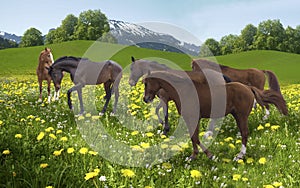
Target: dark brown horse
[
  {"x": 85, "y": 72},
  {"x": 194, "y": 100},
  {"x": 45, "y": 61},
  {"x": 140, "y": 67},
  {"x": 251, "y": 77}
]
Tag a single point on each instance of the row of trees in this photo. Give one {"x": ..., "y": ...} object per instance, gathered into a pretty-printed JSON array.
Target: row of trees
[
  {"x": 90, "y": 25},
  {"x": 5, "y": 43},
  {"x": 269, "y": 35}
]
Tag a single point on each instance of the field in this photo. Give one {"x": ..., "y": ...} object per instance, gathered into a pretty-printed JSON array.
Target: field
[{"x": 47, "y": 145}]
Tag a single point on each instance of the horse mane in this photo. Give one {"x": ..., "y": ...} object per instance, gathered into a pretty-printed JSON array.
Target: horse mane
[
  {"x": 65, "y": 58},
  {"x": 154, "y": 64}
]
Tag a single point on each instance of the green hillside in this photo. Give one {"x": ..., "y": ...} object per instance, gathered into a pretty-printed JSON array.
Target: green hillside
[{"x": 23, "y": 61}]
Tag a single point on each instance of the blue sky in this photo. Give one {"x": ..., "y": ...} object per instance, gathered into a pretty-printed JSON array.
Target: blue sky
[{"x": 200, "y": 18}]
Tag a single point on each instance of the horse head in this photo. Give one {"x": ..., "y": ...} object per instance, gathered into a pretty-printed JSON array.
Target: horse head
[
  {"x": 135, "y": 72},
  {"x": 46, "y": 56},
  {"x": 56, "y": 76}
]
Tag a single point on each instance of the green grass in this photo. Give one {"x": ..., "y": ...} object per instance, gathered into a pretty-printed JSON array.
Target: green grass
[{"x": 23, "y": 61}]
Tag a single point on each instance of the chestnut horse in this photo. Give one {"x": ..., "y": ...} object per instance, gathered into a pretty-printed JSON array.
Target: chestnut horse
[
  {"x": 140, "y": 67},
  {"x": 194, "y": 100},
  {"x": 45, "y": 61},
  {"x": 85, "y": 72},
  {"x": 251, "y": 77}
]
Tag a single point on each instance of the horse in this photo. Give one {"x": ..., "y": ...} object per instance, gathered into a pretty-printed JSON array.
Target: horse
[
  {"x": 85, "y": 72},
  {"x": 45, "y": 61},
  {"x": 252, "y": 77},
  {"x": 140, "y": 67},
  {"x": 194, "y": 99}
]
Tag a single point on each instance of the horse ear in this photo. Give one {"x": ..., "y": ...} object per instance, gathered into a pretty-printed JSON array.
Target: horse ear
[
  {"x": 46, "y": 49},
  {"x": 132, "y": 59}
]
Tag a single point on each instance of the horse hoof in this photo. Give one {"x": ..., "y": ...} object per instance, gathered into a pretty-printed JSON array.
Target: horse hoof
[
  {"x": 101, "y": 113},
  {"x": 208, "y": 134}
]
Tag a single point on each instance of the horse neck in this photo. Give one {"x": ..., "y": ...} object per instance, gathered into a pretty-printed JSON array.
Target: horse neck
[
  {"x": 66, "y": 66},
  {"x": 153, "y": 66}
]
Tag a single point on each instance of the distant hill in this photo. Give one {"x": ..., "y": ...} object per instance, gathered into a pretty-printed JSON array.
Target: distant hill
[
  {"x": 9, "y": 36},
  {"x": 23, "y": 61},
  {"x": 133, "y": 34}
]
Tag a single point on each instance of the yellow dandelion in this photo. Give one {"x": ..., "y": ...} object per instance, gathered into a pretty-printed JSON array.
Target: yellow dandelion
[
  {"x": 18, "y": 136},
  {"x": 240, "y": 161},
  {"x": 44, "y": 165},
  {"x": 49, "y": 186},
  {"x": 49, "y": 129},
  {"x": 167, "y": 165},
  {"x": 133, "y": 113},
  {"x": 43, "y": 121},
  {"x": 88, "y": 115},
  {"x": 83, "y": 150},
  {"x": 195, "y": 174},
  {"x": 226, "y": 160},
  {"x": 249, "y": 160},
  {"x": 137, "y": 148},
  {"x": 262, "y": 160},
  {"x": 149, "y": 134},
  {"x": 260, "y": 127},
  {"x": 127, "y": 173},
  {"x": 90, "y": 175},
  {"x": 277, "y": 184},
  {"x": 163, "y": 136},
  {"x": 231, "y": 146},
  {"x": 164, "y": 146},
  {"x": 93, "y": 153},
  {"x": 238, "y": 141},
  {"x": 52, "y": 136},
  {"x": 236, "y": 177},
  {"x": 1, "y": 122},
  {"x": 59, "y": 131},
  {"x": 267, "y": 125},
  {"x": 274, "y": 127},
  {"x": 57, "y": 152},
  {"x": 176, "y": 148},
  {"x": 64, "y": 138},
  {"x": 40, "y": 136},
  {"x": 81, "y": 118},
  {"x": 268, "y": 186},
  {"x": 228, "y": 139},
  {"x": 245, "y": 179},
  {"x": 133, "y": 133},
  {"x": 70, "y": 150},
  {"x": 30, "y": 117},
  {"x": 201, "y": 133},
  {"x": 37, "y": 119},
  {"x": 95, "y": 117},
  {"x": 6, "y": 152},
  {"x": 145, "y": 145}
]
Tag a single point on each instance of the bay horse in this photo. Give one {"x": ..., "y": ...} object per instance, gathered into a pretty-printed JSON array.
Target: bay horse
[
  {"x": 140, "y": 67},
  {"x": 45, "y": 61},
  {"x": 85, "y": 72},
  {"x": 193, "y": 99},
  {"x": 252, "y": 77}
]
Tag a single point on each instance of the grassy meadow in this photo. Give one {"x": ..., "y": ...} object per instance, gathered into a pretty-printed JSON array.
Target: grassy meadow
[{"x": 47, "y": 145}]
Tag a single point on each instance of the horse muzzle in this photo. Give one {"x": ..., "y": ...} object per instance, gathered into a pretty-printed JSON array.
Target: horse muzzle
[
  {"x": 132, "y": 83},
  {"x": 148, "y": 99}
]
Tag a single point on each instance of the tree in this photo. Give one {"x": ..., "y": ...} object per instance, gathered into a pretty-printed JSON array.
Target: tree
[
  {"x": 210, "y": 48},
  {"x": 270, "y": 35},
  {"x": 32, "y": 37},
  {"x": 5, "y": 43},
  {"x": 68, "y": 26},
  {"x": 228, "y": 44},
  {"x": 91, "y": 25},
  {"x": 247, "y": 37}
]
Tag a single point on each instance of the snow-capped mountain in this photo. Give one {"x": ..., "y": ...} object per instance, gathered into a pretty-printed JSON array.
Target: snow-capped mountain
[
  {"x": 133, "y": 34},
  {"x": 12, "y": 37}
]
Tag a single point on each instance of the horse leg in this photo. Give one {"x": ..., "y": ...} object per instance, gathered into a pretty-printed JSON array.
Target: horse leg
[
  {"x": 56, "y": 94},
  {"x": 107, "y": 87},
  {"x": 267, "y": 112},
  {"x": 166, "y": 126},
  {"x": 196, "y": 142},
  {"x": 242, "y": 122},
  {"x": 74, "y": 88},
  {"x": 48, "y": 89},
  {"x": 40, "y": 90},
  {"x": 157, "y": 111},
  {"x": 211, "y": 128},
  {"x": 79, "y": 92},
  {"x": 115, "y": 90}
]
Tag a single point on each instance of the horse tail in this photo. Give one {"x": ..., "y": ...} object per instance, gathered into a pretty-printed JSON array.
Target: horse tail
[
  {"x": 270, "y": 97},
  {"x": 273, "y": 81}
]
